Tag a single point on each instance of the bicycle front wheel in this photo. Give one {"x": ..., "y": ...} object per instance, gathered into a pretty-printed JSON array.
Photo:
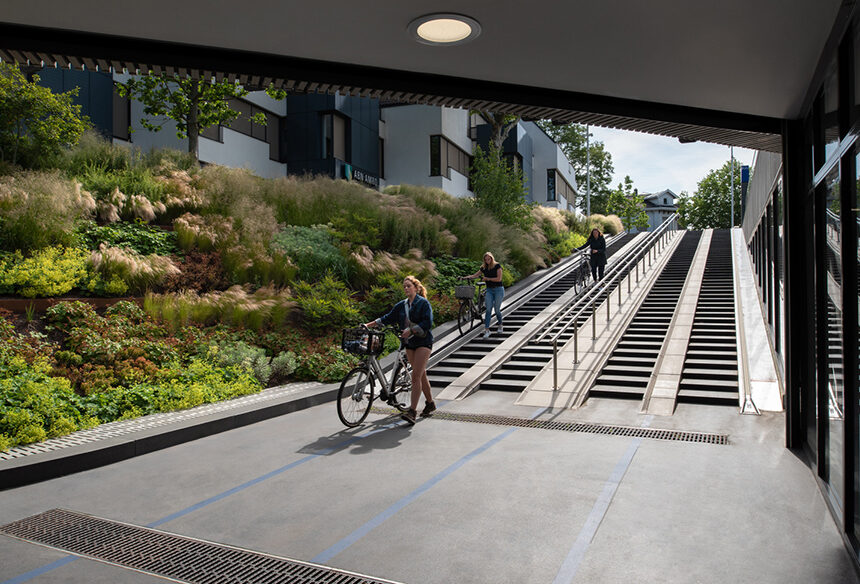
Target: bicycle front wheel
[
  {"x": 464, "y": 318},
  {"x": 355, "y": 397}
]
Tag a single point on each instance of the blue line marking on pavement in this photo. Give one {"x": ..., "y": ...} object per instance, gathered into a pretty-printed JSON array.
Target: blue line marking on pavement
[
  {"x": 62, "y": 562},
  {"x": 39, "y": 571},
  {"x": 265, "y": 477},
  {"x": 379, "y": 519},
  {"x": 574, "y": 558}
]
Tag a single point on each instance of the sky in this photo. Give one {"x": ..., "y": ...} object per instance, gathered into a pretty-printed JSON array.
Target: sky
[{"x": 656, "y": 162}]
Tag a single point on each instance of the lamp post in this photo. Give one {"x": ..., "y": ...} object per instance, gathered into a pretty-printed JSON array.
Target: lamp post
[
  {"x": 732, "y": 191},
  {"x": 587, "y": 171}
]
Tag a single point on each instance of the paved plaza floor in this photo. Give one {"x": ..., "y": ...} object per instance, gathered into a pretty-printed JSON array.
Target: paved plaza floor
[{"x": 461, "y": 501}]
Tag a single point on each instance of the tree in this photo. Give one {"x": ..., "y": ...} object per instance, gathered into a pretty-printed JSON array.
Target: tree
[
  {"x": 628, "y": 204},
  {"x": 193, "y": 104},
  {"x": 710, "y": 205},
  {"x": 499, "y": 188},
  {"x": 34, "y": 121},
  {"x": 572, "y": 139},
  {"x": 500, "y": 126}
]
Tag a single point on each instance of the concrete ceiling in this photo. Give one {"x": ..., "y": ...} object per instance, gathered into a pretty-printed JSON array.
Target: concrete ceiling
[{"x": 749, "y": 57}]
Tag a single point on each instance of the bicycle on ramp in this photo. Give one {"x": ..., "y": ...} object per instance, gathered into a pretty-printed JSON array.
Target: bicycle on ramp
[
  {"x": 581, "y": 273},
  {"x": 360, "y": 386},
  {"x": 471, "y": 312}
]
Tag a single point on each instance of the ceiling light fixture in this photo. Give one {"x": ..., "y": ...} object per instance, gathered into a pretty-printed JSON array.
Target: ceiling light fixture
[{"x": 444, "y": 29}]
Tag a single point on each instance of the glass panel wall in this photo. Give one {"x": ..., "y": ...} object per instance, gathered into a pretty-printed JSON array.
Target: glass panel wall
[{"x": 830, "y": 289}]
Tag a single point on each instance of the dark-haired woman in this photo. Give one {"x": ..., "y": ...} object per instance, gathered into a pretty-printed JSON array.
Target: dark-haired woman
[
  {"x": 414, "y": 317},
  {"x": 597, "y": 256}
]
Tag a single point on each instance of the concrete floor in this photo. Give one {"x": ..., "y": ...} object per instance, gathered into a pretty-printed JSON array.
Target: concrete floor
[{"x": 450, "y": 501}]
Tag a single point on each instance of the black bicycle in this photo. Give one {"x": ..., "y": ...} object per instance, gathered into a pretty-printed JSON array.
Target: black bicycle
[
  {"x": 358, "y": 389},
  {"x": 472, "y": 299},
  {"x": 581, "y": 273}
]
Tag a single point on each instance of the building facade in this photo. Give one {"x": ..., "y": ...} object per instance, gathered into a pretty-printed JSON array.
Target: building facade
[{"x": 659, "y": 207}]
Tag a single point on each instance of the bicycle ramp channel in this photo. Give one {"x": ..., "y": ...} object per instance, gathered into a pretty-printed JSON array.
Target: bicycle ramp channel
[{"x": 461, "y": 355}]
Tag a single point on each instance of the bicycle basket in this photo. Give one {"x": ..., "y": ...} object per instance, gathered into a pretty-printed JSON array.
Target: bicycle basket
[
  {"x": 359, "y": 341},
  {"x": 464, "y": 292}
]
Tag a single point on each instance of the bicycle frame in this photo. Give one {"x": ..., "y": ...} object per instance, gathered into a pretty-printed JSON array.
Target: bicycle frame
[{"x": 376, "y": 369}]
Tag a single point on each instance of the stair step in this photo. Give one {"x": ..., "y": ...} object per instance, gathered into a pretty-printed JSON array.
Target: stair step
[
  {"x": 614, "y": 391},
  {"x": 703, "y": 396}
]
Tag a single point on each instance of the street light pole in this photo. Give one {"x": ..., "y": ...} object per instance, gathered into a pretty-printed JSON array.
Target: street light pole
[
  {"x": 732, "y": 192},
  {"x": 587, "y": 171}
]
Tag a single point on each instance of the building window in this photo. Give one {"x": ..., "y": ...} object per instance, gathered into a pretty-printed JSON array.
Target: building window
[
  {"x": 213, "y": 133},
  {"x": 445, "y": 156},
  {"x": 121, "y": 116},
  {"x": 550, "y": 184},
  {"x": 560, "y": 187},
  {"x": 334, "y": 137}
]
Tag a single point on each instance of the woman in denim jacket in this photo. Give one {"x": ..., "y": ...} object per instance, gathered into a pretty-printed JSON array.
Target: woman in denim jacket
[{"x": 414, "y": 318}]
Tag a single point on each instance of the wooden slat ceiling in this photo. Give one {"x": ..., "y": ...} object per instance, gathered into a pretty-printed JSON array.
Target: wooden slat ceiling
[{"x": 771, "y": 142}]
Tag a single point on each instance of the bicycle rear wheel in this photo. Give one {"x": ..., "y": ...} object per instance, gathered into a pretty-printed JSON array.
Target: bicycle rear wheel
[
  {"x": 355, "y": 397},
  {"x": 401, "y": 391}
]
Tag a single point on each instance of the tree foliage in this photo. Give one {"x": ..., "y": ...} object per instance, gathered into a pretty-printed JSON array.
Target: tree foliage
[
  {"x": 710, "y": 205},
  {"x": 628, "y": 204},
  {"x": 574, "y": 142},
  {"x": 500, "y": 126},
  {"x": 34, "y": 121},
  {"x": 500, "y": 188},
  {"x": 193, "y": 104}
]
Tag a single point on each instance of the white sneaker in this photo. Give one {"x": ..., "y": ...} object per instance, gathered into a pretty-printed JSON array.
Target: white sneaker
[
  {"x": 487, "y": 334},
  {"x": 501, "y": 330}
]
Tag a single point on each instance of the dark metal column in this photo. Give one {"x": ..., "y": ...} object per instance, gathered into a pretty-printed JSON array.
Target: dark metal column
[{"x": 797, "y": 231}]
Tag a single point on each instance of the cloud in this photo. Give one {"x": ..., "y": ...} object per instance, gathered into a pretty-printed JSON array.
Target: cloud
[{"x": 656, "y": 162}]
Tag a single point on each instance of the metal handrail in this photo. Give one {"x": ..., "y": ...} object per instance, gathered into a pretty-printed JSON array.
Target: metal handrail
[
  {"x": 617, "y": 269},
  {"x": 618, "y": 272}
]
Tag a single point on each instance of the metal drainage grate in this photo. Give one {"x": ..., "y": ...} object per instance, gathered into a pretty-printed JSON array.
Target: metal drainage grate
[
  {"x": 632, "y": 432},
  {"x": 182, "y": 559}
]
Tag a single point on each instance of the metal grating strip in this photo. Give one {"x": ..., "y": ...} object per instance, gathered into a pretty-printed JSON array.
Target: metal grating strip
[
  {"x": 179, "y": 558},
  {"x": 629, "y": 431}
]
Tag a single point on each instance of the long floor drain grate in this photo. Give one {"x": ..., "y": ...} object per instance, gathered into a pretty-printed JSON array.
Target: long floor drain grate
[
  {"x": 629, "y": 431},
  {"x": 179, "y": 558}
]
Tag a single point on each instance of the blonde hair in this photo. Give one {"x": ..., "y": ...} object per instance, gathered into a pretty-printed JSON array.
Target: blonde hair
[
  {"x": 418, "y": 285},
  {"x": 492, "y": 258}
]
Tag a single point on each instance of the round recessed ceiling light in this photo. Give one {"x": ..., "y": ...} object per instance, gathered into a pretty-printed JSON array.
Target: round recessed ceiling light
[{"x": 444, "y": 29}]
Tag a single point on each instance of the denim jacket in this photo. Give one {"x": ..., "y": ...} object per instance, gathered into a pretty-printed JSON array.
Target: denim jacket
[{"x": 421, "y": 314}]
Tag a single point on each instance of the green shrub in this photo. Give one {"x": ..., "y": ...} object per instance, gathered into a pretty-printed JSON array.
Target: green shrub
[
  {"x": 139, "y": 272},
  {"x": 313, "y": 250},
  {"x": 67, "y": 315},
  {"x": 450, "y": 269},
  {"x": 35, "y": 406},
  {"x": 331, "y": 364},
  {"x": 244, "y": 356},
  {"x": 52, "y": 271},
  {"x": 267, "y": 306},
  {"x": 326, "y": 304},
  {"x": 205, "y": 233},
  {"x": 40, "y": 209},
  {"x": 284, "y": 364},
  {"x": 368, "y": 267},
  {"x": 169, "y": 158},
  {"x": 93, "y": 150},
  {"x": 136, "y": 235}
]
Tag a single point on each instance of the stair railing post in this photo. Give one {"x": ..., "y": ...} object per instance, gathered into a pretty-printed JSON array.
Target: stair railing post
[
  {"x": 555, "y": 364},
  {"x": 593, "y": 321},
  {"x": 575, "y": 343}
]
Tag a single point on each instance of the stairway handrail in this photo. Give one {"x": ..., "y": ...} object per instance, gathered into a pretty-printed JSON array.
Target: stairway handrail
[{"x": 616, "y": 272}]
